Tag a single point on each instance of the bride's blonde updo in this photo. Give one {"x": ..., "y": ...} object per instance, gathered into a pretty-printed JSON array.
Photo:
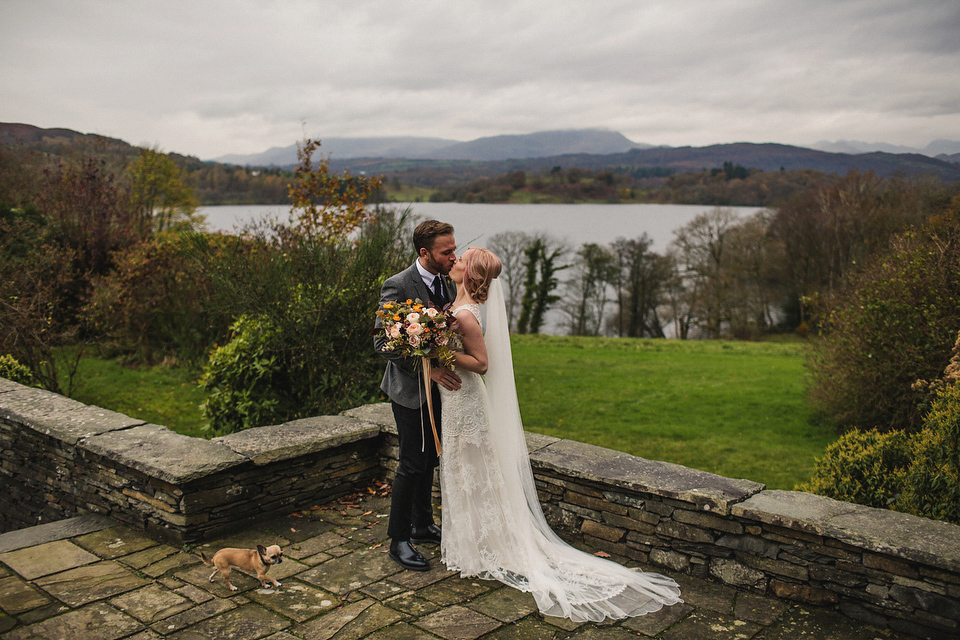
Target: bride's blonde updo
[{"x": 479, "y": 268}]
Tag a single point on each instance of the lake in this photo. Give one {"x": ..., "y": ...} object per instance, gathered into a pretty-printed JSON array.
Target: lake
[{"x": 476, "y": 223}]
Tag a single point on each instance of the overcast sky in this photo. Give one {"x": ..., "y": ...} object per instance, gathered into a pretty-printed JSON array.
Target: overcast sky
[{"x": 208, "y": 78}]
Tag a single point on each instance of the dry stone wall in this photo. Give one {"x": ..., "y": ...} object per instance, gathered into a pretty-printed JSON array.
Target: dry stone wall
[{"x": 59, "y": 458}]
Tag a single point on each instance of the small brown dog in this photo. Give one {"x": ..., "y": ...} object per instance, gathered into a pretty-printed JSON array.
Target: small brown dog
[{"x": 258, "y": 560}]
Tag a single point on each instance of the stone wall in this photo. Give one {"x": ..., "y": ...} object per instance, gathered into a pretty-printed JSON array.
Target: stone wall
[{"x": 61, "y": 458}]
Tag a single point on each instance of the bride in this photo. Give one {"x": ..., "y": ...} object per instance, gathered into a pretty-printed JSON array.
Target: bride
[{"x": 493, "y": 526}]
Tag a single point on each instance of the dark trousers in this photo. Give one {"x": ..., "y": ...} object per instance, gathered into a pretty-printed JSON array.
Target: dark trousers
[{"x": 412, "y": 497}]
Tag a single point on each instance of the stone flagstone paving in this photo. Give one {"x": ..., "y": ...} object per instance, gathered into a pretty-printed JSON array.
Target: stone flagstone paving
[{"x": 90, "y": 577}]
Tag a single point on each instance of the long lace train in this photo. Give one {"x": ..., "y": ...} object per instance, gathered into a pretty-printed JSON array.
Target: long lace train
[{"x": 493, "y": 525}]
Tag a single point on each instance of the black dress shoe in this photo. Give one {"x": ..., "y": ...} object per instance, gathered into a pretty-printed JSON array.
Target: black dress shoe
[
  {"x": 425, "y": 535},
  {"x": 407, "y": 556}
]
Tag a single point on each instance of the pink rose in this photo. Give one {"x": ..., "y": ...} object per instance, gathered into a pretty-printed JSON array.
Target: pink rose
[
  {"x": 414, "y": 340},
  {"x": 413, "y": 318},
  {"x": 395, "y": 331},
  {"x": 441, "y": 339},
  {"x": 414, "y": 329},
  {"x": 431, "y": 312}
]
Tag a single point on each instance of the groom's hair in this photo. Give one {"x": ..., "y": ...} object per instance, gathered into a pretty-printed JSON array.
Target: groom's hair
[{"x": 427, "y": 232}]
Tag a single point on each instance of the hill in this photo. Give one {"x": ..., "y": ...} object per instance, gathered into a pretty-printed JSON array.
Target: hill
[
  {"x": 936, "y": 149},
  {"x": 590, "y": 149},
  {"x": 533, "y": 145},
  {"x": 765, "y": 156},
  {"x": 432, "y": 163}
]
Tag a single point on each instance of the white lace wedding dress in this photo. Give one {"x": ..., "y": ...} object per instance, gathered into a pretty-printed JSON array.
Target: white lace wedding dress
[{"x": 493, "y": 526}]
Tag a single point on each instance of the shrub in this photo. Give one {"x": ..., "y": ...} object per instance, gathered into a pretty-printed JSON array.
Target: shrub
[
  {"x": 36, "y": 285},
  {"x": 932, "y": 483},
  {"x": 893, "y": 323},
  {"x": 915, "y": 473},
  {"x": 13, "y": 370},
  {"x": 305, "y": 307},
  {"x": 245, "y": 379},
  {"x": 156, "y": 302},
  {"x": 866, "y": 467}
]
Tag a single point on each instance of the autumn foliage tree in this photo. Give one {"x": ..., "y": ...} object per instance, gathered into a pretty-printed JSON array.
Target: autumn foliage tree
[
  {"x": 161, "y": 197},
  {"x": 327, "y": 206}
]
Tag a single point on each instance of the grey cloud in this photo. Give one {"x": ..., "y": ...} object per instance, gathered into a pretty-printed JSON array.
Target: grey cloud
[{"x": 205, "y": 77}]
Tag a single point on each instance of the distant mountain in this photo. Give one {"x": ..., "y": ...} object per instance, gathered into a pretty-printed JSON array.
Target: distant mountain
[
  {"x": 533, "y": 145},
  {"x": 385, "y": 147},
  {"x": 768, "y": 156},
  {"x": 935, "y": 149},
  {"x": 539, "y": 145},
  {"x": 496, "y": 155},
  {"x": 772, "y": 157}
]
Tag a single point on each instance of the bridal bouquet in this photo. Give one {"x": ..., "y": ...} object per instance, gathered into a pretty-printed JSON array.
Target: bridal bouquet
[{"x": 414, "y": 329}]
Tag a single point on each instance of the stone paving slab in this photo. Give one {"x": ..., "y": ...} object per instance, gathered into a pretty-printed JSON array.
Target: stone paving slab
[
  {"x": 47, "y": 558},
  {"x": 110, "y": 581},
  {"x": 52, "y": 531}
]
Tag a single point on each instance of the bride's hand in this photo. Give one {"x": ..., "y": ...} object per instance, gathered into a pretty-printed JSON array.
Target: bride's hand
[{"x": 445, "y": 378}]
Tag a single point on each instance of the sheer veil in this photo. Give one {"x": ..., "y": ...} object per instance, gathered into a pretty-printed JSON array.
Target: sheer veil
[{"x": 564, "y": 581}]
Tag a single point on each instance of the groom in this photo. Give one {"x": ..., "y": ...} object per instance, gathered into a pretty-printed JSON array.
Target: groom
[{"x": 411, "y": 509}]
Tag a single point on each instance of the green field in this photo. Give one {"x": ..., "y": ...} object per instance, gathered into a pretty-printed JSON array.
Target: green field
[
  {"x": 158, "y": 395},
  {"x": 732, "y": 408}
]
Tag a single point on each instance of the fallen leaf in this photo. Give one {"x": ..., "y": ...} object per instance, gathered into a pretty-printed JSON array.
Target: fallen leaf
[{"x": 602, "y": 554}]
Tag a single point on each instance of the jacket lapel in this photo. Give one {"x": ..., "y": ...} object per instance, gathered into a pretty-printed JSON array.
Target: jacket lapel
[{"x": 413, "y": 277}]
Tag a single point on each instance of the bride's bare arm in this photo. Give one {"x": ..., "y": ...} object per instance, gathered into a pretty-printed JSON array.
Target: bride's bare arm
[{"x": 474, "y": 356}]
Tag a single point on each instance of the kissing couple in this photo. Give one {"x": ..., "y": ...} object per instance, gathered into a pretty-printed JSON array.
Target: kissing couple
[{"x": 493, "y": 525}]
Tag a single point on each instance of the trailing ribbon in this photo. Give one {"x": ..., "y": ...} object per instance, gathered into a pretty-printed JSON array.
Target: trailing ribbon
[{"x": 426, "y": 385}]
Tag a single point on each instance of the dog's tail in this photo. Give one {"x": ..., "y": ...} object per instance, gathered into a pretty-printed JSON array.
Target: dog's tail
[{"x": 205, "y": 560}]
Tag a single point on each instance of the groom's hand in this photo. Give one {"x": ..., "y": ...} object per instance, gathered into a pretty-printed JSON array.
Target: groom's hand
[{"x": 445, "y": 378}]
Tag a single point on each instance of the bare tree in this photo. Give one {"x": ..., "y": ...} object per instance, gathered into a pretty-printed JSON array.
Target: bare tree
[
  {"x": 640, "y": 278},
  {"x": 756, "y": 269},
  {"x": 701, "y": 250},
  {"x": 509, "y": 247},
  {"x": 588, "y": 289}
]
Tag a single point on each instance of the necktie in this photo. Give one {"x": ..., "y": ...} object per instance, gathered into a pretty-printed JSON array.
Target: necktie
[{"x": 438, "y": 288}]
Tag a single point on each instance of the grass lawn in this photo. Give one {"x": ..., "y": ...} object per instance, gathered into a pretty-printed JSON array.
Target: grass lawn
[
  {"x": 732, "y": 408},
  {"x": 159, "y": 395}
]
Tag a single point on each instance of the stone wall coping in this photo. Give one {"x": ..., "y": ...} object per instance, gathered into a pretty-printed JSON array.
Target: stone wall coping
[
  {"x": 161, "y": 453},
  {"x": 380, "y": 414},
  {"x": 932, "y": 542},
  {"x": 264, "y": 445},
  {"x": 707, "y": 491},
  {"x": 10, "y": 385},
  {"x": 57, "y": 416}
]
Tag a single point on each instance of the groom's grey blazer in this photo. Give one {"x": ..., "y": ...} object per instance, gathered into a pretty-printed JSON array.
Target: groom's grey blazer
[{"x": 401, "y": 381}]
